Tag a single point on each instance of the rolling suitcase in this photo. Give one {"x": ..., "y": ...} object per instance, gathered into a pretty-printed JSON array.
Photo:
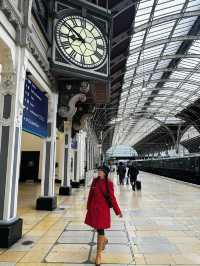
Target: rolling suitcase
[{"x": 138, "y": 185}]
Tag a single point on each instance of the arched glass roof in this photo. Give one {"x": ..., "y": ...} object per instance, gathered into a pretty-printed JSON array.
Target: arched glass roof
[
  {"x": 162, "y": 75},
  {"x": 190, "y": 133}
]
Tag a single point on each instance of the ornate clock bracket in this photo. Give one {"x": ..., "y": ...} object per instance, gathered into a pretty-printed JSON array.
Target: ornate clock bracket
[{"x": 69, "y": 112}]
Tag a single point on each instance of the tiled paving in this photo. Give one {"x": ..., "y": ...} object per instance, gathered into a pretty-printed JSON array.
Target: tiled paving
[{"x": 161, "y": 226}]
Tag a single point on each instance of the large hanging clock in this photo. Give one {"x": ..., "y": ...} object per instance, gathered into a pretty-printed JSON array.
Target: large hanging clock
[{"x": 81, "y": 41}]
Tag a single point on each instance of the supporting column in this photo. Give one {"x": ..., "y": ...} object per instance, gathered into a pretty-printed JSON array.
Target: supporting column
[
  {"x": 75, "y": 182},
  {"x": 82, "y": 160},
  {"x": 92, "y": 154},
  {"x": 11, "y": 110},
  {"x": 88, "y": 155},
  {"x": 77, "y": 158},
  {"x": 90, "y": 151},
  {"x": 48, "y": 200},
  {"x": 65, "y": 188}
]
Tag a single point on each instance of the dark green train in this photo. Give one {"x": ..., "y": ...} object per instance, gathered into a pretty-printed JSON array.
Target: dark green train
[{"x": 185, "y": 168}]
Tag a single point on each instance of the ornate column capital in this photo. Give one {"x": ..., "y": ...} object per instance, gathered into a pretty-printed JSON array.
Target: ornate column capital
[{"x": 8, "y": 81}]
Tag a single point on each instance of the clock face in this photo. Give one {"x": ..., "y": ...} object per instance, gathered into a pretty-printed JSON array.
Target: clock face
[{"x": 81, "y": 41}]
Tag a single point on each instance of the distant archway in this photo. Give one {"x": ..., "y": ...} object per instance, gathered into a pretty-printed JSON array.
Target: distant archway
[{"x": 121, "y": 151}]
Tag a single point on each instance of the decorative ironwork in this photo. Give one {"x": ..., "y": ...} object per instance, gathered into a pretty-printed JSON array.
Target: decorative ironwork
[{"x": 40, "y": 10}]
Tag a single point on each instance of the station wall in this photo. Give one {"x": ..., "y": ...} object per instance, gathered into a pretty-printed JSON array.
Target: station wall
[{"x": 32, "y": 143}]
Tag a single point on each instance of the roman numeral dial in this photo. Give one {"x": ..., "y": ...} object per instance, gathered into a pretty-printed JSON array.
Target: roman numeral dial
[{"x": 81, "y": 42}]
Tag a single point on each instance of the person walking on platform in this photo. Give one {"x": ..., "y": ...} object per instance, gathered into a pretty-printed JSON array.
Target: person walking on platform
[
  {"x": 133, "y": 173},
  {"x": 127, "y": 178},
  {"x": 101, "y": 198},
  {"x": 121, "y": 171}
]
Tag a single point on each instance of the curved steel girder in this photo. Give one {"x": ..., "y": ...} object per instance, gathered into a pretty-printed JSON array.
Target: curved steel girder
[
  {"x": 192, "y": 82},
  {"x": 158, "y": 147},
  {"x": 159, "y": 122},
  {"x": 174, "y": 97},
  {"x": 158, "y": 113},
  {"x": 122, "y": 6},
  {"x": 164, "y": 57},
  {"x": 182, "y": 69},
  {"x": 167, "y": 128},
  {"x": 107, "y": 132},
  {"x": 161, "y": 89},
  {"x": 152, "y": 114},
  {"x": 163, "y": 41},
  {"x": 99, "y": 122},
  {"x": 166, "y": 19},
  {"x": 182, "y": 132}
]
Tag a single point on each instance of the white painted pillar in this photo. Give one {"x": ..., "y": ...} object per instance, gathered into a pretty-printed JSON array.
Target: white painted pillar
[
  {"x": 79, "y": 158},
  {"x": 65, "y": 188},
  {"x": 92, "y": 153},
  {"x": 88, "y": 154},
  {"x": 11, "y": 111},
  {"x": 73, "y": 166},
  {"x": 82, "y": 168},
  {"x": 48, "y": 200}
]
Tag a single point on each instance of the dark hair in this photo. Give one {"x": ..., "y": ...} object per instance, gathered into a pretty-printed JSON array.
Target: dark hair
[{"x": 104, "y": 169}]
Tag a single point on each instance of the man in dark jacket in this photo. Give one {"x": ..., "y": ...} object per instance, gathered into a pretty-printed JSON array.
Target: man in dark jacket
[
  {"x": 121, "y": 171},
  {"x": 133, "y": 173}
]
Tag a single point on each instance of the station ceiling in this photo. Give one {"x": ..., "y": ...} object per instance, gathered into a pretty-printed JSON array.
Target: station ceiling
[
  {"x": 155, "y": 70},
  {"x": 123, "y": 13},
  {"x": 162, "y": 74}
]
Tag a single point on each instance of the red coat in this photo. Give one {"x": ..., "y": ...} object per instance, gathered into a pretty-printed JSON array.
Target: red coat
[{"x": 98, "y": 211}]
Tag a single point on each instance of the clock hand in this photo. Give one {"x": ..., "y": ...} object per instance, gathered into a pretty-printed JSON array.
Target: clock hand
[
  {"x": 73, "y": 37},
  {"x": 77, "y": 34}
]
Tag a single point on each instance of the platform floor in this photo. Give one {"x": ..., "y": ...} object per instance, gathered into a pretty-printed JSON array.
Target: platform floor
[{"x": 161, "y": 226}]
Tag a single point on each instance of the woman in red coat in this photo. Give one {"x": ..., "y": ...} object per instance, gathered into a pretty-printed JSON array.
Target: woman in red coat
[{"x": 100, "y": 199}]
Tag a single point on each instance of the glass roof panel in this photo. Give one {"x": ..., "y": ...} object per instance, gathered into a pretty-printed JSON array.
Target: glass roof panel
[
  {"x": 148, "y": 61},
  {"x": 151, "y": 52},
  {"x": 157, "y": 75},
  {"x": 146, "y": 67},
  {"x": 143, "y": 12},
  {"x": 179, "y": 75},
  {"x": 184, "y": 25},
  {"x": 172, "y": 48},
  {"x": 182, "y": 94},
  {"x": 132, "y": 59},
  {"x": 164, "y": 31},
  {"x": 163, "y": 63},
  {"x": 146, "y": 4},
  {"x": 171, "y": 84},
  {"x": 138, "y": 37},
  {"x": 193, "y": 5},
  {"x": 166, "y": 7},
  {"x": 189, "y": 62},
  {"x": 196, "y": 77},
  {"x": 195, "y": 48}
]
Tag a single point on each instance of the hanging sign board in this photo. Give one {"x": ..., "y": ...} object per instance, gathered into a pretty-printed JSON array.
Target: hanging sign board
[{"x": 35, "y": 112}]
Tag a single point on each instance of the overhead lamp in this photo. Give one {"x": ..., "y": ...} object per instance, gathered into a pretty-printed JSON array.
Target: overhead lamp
[
  {"x": 85, "y": 86},
  {"x": 68, "y": 87}
]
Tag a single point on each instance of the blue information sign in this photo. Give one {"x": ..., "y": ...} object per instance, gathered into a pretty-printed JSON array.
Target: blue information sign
[{"x": 35, "y": 110}]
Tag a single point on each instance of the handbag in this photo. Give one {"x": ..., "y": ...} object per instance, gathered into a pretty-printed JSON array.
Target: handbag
[{"x": 106, "y": 195}]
